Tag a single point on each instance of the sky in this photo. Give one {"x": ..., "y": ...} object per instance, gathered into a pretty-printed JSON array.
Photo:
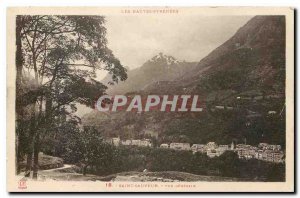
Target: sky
[{"x": 136, "y": 39}]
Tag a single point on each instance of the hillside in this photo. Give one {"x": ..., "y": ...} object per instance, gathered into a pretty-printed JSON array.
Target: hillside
[
  {"x": 238, "y": 83},
  {"x": 159, "y": 68},
  {"x": 254, "y": 58}
]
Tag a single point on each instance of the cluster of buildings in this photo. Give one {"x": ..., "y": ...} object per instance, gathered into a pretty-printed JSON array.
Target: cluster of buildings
[
  {"x": 211, "y": 148},
  {"x": 264, "y": 151},
  {"x": 117, "y": 142}
]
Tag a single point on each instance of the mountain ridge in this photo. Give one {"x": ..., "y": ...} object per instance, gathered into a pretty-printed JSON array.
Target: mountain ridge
[
  {"x": 160, "y": 67},
  {"x": 245, "y": 73}
]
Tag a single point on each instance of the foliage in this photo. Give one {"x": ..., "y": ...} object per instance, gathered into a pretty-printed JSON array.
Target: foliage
[
  {"x": 87, "y": 148},
  {"x": 61, "y": 55}
]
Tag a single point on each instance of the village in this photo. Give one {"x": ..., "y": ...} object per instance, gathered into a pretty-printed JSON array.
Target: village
[{"x": 264, "y": 151}]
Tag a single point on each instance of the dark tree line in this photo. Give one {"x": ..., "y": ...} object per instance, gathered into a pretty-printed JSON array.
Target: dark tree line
[{"x": 56, "y": 62}]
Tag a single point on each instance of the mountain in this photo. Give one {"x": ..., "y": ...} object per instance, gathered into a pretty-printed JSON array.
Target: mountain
[
  {"x": 159, "y": 68},
  {"x": 254, "y": 58},
  {"x": 239, "y": 83}
]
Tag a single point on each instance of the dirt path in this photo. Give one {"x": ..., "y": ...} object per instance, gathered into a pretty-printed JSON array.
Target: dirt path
[{"x": 66, "y": 166}]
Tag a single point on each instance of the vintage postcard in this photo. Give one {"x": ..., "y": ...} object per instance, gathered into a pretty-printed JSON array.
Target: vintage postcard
[{"x": 150, "y": 99}]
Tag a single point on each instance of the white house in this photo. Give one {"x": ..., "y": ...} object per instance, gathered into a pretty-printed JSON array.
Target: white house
[
  {"x": 272, "y": 147},
  {"x": 164, "y": 146},
  {"x": 180, "y": 146},
  {"x": 136, "y": 142},
  {"x": 214, "y": 153},
  {"x": 199, "y": 148},
  {"x": 270, "y": 156},
  {"x": 272, "y": 112},
  {"x": 223, "y": 147},
  {"x": 262, "y": 145},
  {"x": 126, "y": 142},
  {"x": 145, "y": 142},
  {"x": 266, "y": 146},
  {"x": 211, "y": 145},
  {"x": 116, "y": 141}
]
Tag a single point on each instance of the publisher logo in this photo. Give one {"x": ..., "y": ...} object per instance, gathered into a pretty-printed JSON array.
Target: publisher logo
[{"x": 22, "y": 184}]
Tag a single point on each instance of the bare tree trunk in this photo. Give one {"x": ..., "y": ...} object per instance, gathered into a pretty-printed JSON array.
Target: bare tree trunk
[
  {"x": 37, "y": 135},
  {"x": 28, "y": 164},
  {"x": 29, "y": 152},
  {"x": 84, "y": 169},
  {"x": 36, "y": 148},
  {"x": 18, "y": 155},
  {"x": 36, "y": 156},
  {"x": 30, "y": 145},
  {"x": 19, "y": 65}
]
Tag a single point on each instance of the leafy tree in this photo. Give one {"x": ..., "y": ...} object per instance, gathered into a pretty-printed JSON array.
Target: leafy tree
[
  {"x": 89, "y": 150},
  {"x": 63, "y": 54},
  {"x": 228, "y": 164}
]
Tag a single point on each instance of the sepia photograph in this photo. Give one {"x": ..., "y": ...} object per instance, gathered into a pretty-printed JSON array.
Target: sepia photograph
[{"x": 150, "y": 99}]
